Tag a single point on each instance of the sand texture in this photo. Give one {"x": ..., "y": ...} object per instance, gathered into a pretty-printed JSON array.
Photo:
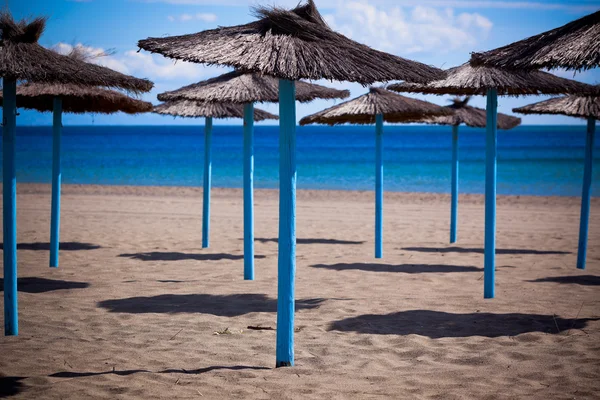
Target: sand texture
[{"x": 133, "y": 310}]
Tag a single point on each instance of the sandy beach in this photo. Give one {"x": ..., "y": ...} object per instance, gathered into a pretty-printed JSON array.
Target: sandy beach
[{"x": 138, "y": 310}]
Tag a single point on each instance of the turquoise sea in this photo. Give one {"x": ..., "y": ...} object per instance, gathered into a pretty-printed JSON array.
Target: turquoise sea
[{"x": 532, "y": 160}]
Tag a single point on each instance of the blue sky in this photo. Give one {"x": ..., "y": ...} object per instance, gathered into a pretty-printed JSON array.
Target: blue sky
[{"x": 437, "y": 32}]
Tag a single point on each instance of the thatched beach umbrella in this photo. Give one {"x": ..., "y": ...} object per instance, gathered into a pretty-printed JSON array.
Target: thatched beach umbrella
[
  {"x": 581, "y": 107},
  {"x": 574, "y": 46},
  {"x": 473, "y": 117},
  {"x": 23, "y": 59},
  {"x": 472, "y": 80},
  {"x": 375, "y": 107},
  {"x": 247, "y": 88},
  {"x": 290, "y": 45},
  {"x": 196, "y": 109},
  {"x": 77, "y": 99},
  {"x": 243, "y": 87},
  {"x": 70, "y": 98}
]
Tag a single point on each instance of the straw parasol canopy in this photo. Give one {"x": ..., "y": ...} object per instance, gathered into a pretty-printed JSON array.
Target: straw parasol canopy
[
  {"x": 476, "y": 80},
  {"x": 291, "y": 44},
  {"x": 470, "y": 116},
  {"x": 574, "y": 46},
  {"x": 573, "y": 106},
  {"x": 240, "y": 87},
  {"x": 23, "y": 59},
  {"x": 362, "y": 110},
  {"x": 77, "y": 99},
  {"x": 195, "y": 109}
]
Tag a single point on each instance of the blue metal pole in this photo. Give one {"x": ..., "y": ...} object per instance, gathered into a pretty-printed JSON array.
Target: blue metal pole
[
  {"x": 207, "y": 178},
  {"x": 287, "y": 224},
  {"x": 586, "y": 194},
  {"x": 9, "y": 211},
  {"x": 56, "y": 179},
  {"x": 379, "y": 186},
  {"x": 489, "y": 270},
  {"x": 249, "y": 191},
  {"x": 454, "y": 189}
]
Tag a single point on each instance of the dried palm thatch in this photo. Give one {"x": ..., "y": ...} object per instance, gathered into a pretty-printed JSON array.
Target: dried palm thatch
[
  {"x": 77, "y": 99},
  {"x": 23, "y": 59},
  {"x": 195, "y": 109},
  {"x": 291, "y": 44},
  {"x": 574, "y": 46},
  {"x": 573, "y": 106},
  {"x": 240, "y": 87},
  {"x": 470, "y": 80},
  {"x": 362, "y": 110},
  {"x": 470, "y": 116}
]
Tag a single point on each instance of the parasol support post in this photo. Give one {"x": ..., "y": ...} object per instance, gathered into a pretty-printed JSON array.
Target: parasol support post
[
  {"x": 249, "y": 191},
  {"x": 379, "y": 186},
  {"x": 454, "y": 188},
  {"x": 489, "y": 270},
  {"x": 9, "y": 210},
  {"x": 56, "y": 182},
  {"x": 207, "y": 182},
  {"x": 586, "y": 193},
  {"x": 287, "y": 224}
]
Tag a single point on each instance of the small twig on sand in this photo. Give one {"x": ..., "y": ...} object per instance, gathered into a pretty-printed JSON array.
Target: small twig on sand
[
  {"x": 575, "y": 320},
  {"x": 555, "y": 323},
  {"x": 66, "y": 363},
  {"x": 176, "y": 334},
  {"x": 260, "y": 328},
  {"x": 480, "y": 278}
]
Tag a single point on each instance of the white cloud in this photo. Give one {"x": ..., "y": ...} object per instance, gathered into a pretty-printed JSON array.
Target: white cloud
[
  {"x": 405, "y": 31},
  {"x": 206, "y": 17}
]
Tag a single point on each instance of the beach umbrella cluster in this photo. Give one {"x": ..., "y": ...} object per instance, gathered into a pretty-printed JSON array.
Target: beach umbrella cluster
[
  {"x": 271, "y": 56},
  {"x": 290, "y": 45},
  {"x": 574, "y": 47},
  {"x": 462, "y": 113},
  {"x": 587, "y": 107},
  {"x": 493, "y": 82},
  {"x": 196, "y": 109},
  {"x": 23, "y": 59},
  {"x": 377, "y": 106},
  {"x": 245, "y": 89},
  {"x": 77, "y": 99}
]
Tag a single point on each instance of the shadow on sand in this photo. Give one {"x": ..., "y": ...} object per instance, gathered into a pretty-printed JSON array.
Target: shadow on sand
[
  {"x": 42, "y": 285},
  {"x": 66, "y": 246},
  {"x": 69, "y": 374},
  {"x": 480, "y": 251},
  {"x": 221, "y": 305},
  {"x": 176, "y": 256},
  {"x": 10, "y": 385},
  {"x": 587, "y": 280},
  {"x": 404, "y": 268},
  {"x": 437, "y": 324},
  {"x": 310, "y": 241}
]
